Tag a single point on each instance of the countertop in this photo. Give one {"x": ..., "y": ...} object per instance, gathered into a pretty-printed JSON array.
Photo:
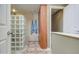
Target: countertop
[{"x": 67, "y": 34}]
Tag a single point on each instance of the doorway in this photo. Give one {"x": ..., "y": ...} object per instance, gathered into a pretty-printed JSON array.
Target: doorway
[{"x": 57, "y": 20}]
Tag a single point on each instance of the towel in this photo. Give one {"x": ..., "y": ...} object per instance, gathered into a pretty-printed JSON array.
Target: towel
[{"x": 34, "y": 27}]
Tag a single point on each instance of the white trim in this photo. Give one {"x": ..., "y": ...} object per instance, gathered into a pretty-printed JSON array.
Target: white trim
[
  {"x": 50, "y": 26},
  {"x": 76, "y": 36},
  {"x": 8, "y": 26},
  {"x": 56, "y": 7},
  {"x": 49, "y": 10}
]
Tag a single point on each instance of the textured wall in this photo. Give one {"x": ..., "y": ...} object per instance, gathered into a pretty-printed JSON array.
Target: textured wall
[
  {"x": 28, "y": 22},
  {"x": 57, "y": 22},
  {"x": 64, "y": 44},
  {"x": 71, "y": 19}
]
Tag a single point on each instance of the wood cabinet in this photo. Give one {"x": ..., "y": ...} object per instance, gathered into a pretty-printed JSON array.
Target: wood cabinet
[{"x": 43, "y": 26}]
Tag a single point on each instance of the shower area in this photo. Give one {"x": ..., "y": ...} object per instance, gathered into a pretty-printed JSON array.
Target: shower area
[
  {"x": 24, "y": 28},
  {"x": 17, "y": 29},
  {"x": 26, "y": 34}
]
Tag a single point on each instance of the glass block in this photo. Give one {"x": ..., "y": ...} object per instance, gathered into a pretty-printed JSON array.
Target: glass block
[
  {"x": 17, "y": 21},
  {"x": 20, "y": 22},
  {"x": 17, "y": 35},
  {"x": 20, "y": 30},
  {"x": 13, "y": 35},
  {"x": 20, "y": 35},
  {"x": 17, "y": 26},
  {"x": 23, "y": 33},
  {"x": 12, "y": 26},
  {"x": 13, "y": 17},
  {"x": 12, "y": 44},
  {"x": 21, "y": 17},
  {"x": 12, "y": 48},
  {"x": 21, "y": 39},
  {"x": 17, "y": 17},
  {"x": 21, "y": 26},
  {"x": 17, "y": 30},
  {"x": 13, "y": 39},
  {"x": 13, "y": 30},
  {"x": 17, "y": 39},
  {"x": 21, "y": 44},
  {"x": 12, "y": 52},
  {"x": 12, "y": 21},
  {"x": 17, "y": 44},
  {"x": 17, "y": 48}
]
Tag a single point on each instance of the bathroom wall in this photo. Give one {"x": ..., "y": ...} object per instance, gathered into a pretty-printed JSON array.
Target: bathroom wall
[
  {"x": 64, "y": 44},
  {"x": 48, "y": 27},
  {"x": 28, "y": 22},
  {"x": 57, "y": 21},
  {"x": 71, "y": 19}
]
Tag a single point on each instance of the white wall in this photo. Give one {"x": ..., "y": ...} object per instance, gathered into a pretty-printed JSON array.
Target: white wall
[
  {"x": 27, "y": 26},
  {"x": 48, "y": 27},
  {"x": 64, "y": 44},
  {"x": 28, "y": 22},
  {"x": 57, "y": 22},
  {"x": 28, "y": 19},
  {"x": 71, "y": 19}
]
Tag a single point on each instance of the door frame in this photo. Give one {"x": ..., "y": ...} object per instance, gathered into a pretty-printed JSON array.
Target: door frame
[
  {"x": 9, "y": 29},
  {"x": 49, "y": 20}
]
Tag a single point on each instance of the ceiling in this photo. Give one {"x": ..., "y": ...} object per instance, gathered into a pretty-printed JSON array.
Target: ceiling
[
  {"x": 55, "y": 10},
  {"x": 58, "y": 4},
  {"x": 25, "y": 8}
]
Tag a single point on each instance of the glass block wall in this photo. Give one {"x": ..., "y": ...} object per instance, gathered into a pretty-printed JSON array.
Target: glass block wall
[{"x": 17, "y": 28}]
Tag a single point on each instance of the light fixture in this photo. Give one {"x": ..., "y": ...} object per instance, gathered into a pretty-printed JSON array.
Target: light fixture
[{"x": 14, "y": 10}]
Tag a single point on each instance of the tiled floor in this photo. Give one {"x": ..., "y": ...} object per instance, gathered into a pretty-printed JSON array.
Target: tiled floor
[{"x": 34, "y": 48}]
